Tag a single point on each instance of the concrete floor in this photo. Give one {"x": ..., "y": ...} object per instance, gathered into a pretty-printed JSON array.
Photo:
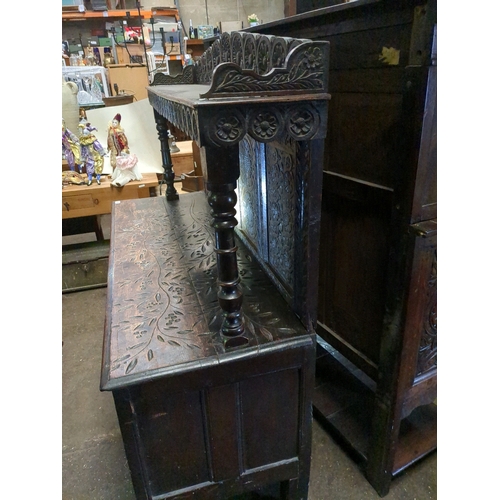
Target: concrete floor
[{"x": 94, "y": 466}]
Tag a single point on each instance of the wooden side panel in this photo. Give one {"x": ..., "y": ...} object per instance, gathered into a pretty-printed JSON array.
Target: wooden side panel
[
  {"x": 365, "y": 136},
  {"x": 425, "y": 196},
  {"x": 223, "y": 427},
  {"x": 267, "y": 412},
  {"x": 174, "y": 456},
  {"x": 353, "y": 263},
  {"x": 418, "y": 377}
]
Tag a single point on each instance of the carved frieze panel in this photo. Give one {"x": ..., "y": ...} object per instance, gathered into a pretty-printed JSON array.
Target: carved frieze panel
[
  {"x": 231, "y": 80},
  {"x": 183, "y": 117},
  {"x": 305, "y": 70},
  {"x": 186, "y": 77},
  {"x": 427, "y": 355},
  {"x": 281, "y": 209},
  {"x": 249, "y": 192},
  {"x": 228, "y": 125}
]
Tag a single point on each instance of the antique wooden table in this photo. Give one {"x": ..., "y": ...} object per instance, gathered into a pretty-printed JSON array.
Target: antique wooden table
[{"x": 209, "y": 345}]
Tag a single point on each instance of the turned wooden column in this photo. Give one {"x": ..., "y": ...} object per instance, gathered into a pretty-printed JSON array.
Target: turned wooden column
[
  {"x": 222, "y": 171},
  {"x": 166, "y": 159},
  {"x": 222, "y": 200}
]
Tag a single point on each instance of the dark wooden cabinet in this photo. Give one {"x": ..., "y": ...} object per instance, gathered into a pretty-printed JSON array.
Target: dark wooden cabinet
[
  {"x": 209, "y": 346},
  {"x": 377, "y": 356}
]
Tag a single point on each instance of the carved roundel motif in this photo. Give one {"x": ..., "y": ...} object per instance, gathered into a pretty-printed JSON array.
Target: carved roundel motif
[
  {"x": 227, "y": 128},
  {"x": 264, "y": 125},
  {"x": 303, "y": 123}
]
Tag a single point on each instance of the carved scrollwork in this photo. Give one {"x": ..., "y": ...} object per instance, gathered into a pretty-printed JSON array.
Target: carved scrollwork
[
  {"x": 305, "y": 71},
  {"x": 265, "y": 125},
  {"x": 186, "y": 77},
  {"x": 247, "y": 63}
]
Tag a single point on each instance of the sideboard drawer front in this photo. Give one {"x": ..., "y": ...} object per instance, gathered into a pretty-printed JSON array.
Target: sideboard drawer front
[{"x": 78, "y": 202}]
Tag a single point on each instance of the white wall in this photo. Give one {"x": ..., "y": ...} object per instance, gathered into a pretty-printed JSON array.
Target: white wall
[{"x": 213, "y": 11}]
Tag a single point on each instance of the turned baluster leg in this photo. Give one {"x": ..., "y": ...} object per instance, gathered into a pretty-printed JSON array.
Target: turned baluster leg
[
  {"x": 222, "y": 199},
  {"x": 169, "y": 175}
]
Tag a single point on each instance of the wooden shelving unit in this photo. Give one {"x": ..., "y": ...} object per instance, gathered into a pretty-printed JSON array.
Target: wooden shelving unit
[
  {"x": 118, "y": 14},
  {"x": 94, "y": 17}
]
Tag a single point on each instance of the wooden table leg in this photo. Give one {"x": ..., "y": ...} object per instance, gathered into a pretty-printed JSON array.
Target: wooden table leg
[{"x": 162, "y": 128}]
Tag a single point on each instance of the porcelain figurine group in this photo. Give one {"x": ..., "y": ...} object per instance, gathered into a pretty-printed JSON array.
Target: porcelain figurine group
[{"x": 86, "y": 151}]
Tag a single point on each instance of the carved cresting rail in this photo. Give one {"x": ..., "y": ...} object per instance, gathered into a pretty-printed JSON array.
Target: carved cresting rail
[{"x": 271, "y": 88}]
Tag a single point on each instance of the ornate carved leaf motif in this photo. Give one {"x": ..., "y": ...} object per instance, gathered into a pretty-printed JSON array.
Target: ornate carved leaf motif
[
  {"x": 235, "y": 81},
  {"x": 263, "y": 55},
  {"x": 306, "y": 75},
  {"x": 186, "y": 77},
  {"x": 278, "y": 53},
  {"x": 164, "y": 301},
  {"x": 236, "y": 48},
  {"x": 249, "y": 53},
  {"x": 153, "y": 322},
  {"x": 216, "y": 54},
  {"x": 427, "y": 357},
  {"x": 225, "y": 42},
  {"x": 281, "y": 210},
  {"x": 248, "y": 190}
]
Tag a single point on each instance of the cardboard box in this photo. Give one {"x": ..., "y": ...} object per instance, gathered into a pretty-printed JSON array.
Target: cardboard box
[
  {"x": 192, "y": 182},
  {"x": 173, "y": 49},
  {"x": 228, "y": 26}
]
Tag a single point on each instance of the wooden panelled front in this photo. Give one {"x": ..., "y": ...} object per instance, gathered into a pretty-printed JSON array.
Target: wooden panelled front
[{"x": 207, "y": 434}]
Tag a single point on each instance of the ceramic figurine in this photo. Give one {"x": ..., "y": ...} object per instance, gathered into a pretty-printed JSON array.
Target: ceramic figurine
[
  {"x": 126, "y": 170},
  {"x": 117, "y": 140},
  {"x": 92, "y": 153},
  {"x": 70, "y": 147}
]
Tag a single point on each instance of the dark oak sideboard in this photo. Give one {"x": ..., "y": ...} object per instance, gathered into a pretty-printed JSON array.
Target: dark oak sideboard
[
  {"x": 376, "y": 375},
  {"x": 209, "y": 345}
]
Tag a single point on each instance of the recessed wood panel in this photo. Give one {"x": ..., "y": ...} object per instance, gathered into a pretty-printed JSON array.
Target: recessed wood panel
[
  {"x": 174, "y": 455},
  {"x": 365, "y": 136},
  {"x": 353, "y": 262},
  {"x": 267, "y": 412}
]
